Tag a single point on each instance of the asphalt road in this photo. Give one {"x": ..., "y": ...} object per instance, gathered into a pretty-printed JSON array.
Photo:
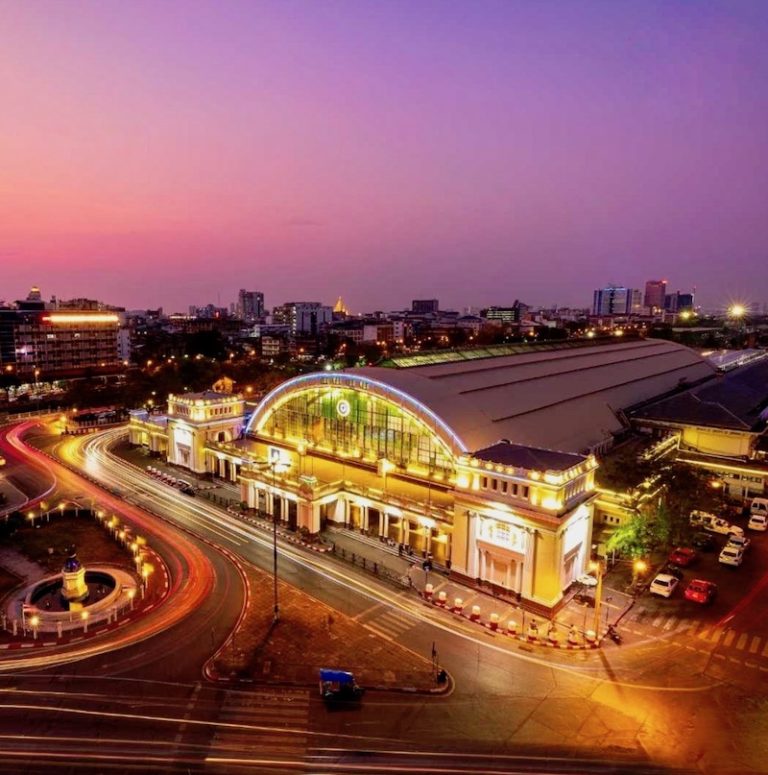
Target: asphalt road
[{"x": 639, "y": 702}]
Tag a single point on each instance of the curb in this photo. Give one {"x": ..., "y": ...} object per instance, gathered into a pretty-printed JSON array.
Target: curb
[
  {"x": 435, "y": 692},
  {"x": 500, "y": 629}
]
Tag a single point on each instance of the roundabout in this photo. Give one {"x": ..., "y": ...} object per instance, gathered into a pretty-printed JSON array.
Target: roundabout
[{"x": 72, "y": 599}]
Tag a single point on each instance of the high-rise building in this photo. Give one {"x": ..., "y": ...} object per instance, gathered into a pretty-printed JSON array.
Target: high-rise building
[
  {"x": 511, "y": 314},
  {"x": 302, "y": 317},
  {"x": 677, "y": 302},
  {"x": 655, "y": 293},
  {"x": 250, "y": 305},
  {"x": 425, "y": 306},
  {"x": 617, "y": 300},
  {"x": 43, "y": 343}
]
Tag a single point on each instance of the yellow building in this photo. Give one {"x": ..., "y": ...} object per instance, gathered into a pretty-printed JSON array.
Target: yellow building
[
  {"x": 481, "y": 459},
  {"x": 719, "y": 426}
]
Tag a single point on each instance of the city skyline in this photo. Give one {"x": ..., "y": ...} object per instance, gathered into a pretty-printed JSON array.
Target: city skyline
[{"x": 355, "y": 149}]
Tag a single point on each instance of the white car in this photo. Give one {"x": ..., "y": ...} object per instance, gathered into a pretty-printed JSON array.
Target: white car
[
  {"x": 663, "y": 585},
  {"x": 714, "y": 523},
  {"x": 758, "y": 522},
  {"x": 731, "y": 555},
  {"x": 740, "y": 542}
]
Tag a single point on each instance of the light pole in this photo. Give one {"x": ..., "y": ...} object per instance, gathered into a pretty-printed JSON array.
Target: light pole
[
  {"x": 283, "y": 466},
  {"x": 597, "y": 566}
]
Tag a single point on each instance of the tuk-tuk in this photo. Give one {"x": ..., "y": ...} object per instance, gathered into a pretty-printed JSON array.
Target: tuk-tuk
[{"x": 338, "y": 685}]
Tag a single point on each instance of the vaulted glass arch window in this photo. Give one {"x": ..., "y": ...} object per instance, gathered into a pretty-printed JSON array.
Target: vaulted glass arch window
[{"x": 358, "y": 424}]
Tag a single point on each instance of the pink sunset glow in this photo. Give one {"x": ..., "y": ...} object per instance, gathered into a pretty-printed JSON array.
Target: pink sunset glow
[{"x": 169, "y": 153}]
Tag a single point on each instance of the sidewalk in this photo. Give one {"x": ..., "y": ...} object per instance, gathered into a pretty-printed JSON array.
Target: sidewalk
[
  {"x": 369, "y": 552},
  {"x": 578, "y": 615}
]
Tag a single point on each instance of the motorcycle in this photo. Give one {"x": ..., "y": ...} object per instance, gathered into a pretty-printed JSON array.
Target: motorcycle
[{"x": 614, "y": 635}]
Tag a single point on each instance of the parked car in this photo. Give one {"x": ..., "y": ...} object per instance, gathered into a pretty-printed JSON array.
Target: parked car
[
  {"x": 759, "y": 506},
  {"x": 663, "y": 585},
  {"x": 683, "y": 556},
  {"x": 673, "y": 570},
  {"x": 714, "y": 523},
  {"x": 731, "y": 555},
  {"x": 758, "y": 514},
  {"x": 700, "y": 591},
  {"x": 740, "y": 542},
  {"x": 704, "y": 542}
]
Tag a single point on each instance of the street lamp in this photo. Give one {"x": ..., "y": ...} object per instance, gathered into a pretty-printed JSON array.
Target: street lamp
[
  {"x": 597, "y": 566},
  {"x": 639, "y": 567},
  {"x": 275, "y": 464}
]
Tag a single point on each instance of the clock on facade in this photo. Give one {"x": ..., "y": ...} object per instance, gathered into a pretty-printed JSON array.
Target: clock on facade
[{"x": 343, "y": 408}]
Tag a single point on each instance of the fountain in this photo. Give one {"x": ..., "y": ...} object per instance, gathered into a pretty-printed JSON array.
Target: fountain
[{"x": 95, "y": 594}]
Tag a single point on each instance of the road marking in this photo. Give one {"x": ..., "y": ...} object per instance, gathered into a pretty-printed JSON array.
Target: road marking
[
  {"x": 657, "y": 621},
  {"x": 751, "y": 664},
  {"x": 755, "y": 645},
  {"x": 670, "y": 623},
  {"x": 729, "y": 636},
  {"x": 716, "y": 634},
  {"x": 742, "y": 641},
  {"x": 765, "y": 649},
  {"x": 719, "y": 656}
]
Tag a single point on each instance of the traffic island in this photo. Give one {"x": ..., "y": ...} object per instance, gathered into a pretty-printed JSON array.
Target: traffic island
[{"x": 310, "y": 635}]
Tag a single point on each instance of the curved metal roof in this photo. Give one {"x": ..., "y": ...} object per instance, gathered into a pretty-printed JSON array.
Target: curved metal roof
[{"x": 562, "y": 399}]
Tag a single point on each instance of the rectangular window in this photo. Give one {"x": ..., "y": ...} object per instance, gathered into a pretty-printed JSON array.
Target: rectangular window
[
  {"x": 494, "y": 484},
  {"x": 504, "y": 487},
  {"x": 484, "y": 482},
  {"x": 526, "y": 489}
]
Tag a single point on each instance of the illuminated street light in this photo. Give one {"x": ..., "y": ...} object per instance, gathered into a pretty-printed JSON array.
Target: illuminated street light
[
  {"x": 84, "y": 616},
  {"x": 34, "y": 623},
  {"x": 737, "y": 310},
  {"x": 597, "y": 567},
  {"x": 131, "y": 595}
]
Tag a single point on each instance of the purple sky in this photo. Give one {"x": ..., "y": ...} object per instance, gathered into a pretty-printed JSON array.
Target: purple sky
[{"x": 171, "y": 152}]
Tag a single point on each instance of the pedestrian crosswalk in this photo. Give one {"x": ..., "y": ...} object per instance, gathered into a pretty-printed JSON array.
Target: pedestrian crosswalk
[
  {"x": 720, "y": 637},
  {"x": 268, "y": 723},
  {"x": 390, "y": 624}
]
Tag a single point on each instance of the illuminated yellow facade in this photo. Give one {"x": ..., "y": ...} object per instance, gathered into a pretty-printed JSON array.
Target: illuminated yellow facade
[{"x": 347, "y": 451}]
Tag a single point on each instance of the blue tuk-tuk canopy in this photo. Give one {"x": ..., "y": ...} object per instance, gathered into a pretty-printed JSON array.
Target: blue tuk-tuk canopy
[{"x": 338, "y": 676}]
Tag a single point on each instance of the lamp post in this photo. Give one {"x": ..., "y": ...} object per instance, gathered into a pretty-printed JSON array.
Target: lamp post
[
  {"x": 639, "y": 567},
  {"x": 274, "y": 465},
  {"x": 597, "y": 566}
]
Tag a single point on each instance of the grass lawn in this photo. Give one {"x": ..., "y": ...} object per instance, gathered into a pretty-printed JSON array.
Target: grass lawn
[{"x": 47, "y": 544}]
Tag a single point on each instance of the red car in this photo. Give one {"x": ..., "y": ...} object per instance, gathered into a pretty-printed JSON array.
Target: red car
[
  {"x": 699, "y": 591},
  {"x": 683, "y": 556}
]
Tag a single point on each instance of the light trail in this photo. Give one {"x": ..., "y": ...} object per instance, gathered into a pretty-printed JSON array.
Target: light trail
[
  {"x": 188, "y": 566},
  {"x": 94, "y": 452}
]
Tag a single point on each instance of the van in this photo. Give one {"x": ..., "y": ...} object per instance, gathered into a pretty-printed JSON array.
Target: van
[
  {"x": 759, "y": 506},
  {"x": 758, "y": 514}
]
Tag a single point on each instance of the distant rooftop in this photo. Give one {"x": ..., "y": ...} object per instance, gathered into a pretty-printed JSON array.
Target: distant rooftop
[{"x": 530, "y": 458}]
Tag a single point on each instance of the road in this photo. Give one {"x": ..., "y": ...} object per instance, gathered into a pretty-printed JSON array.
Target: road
[{"x": 648, "y": 701}]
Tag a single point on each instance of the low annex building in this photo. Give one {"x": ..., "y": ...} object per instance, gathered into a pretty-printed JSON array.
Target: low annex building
[{"x": 482, "y": 460}]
